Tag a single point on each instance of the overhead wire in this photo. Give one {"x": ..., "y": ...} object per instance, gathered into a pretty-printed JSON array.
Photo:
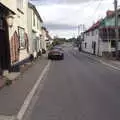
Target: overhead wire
[{"x": 95, "y": 11}]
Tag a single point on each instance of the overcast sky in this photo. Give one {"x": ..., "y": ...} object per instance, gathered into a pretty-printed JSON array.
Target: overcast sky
[{"x": 63, "y": 16}]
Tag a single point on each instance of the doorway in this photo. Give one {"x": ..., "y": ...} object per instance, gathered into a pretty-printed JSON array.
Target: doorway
[{"x": 4, "y": 45}]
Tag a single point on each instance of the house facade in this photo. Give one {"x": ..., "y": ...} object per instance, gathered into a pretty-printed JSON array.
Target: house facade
[
  {"x": 91, "y": 40},
  {"x": 44, "y": 38},
  {"x": 107, "y": 33},
  {"x": 5, "y": 60},
  {"x": 18, "y": 32},
  {"x": 34, "y": 30},
  {"x": 100, "y": 38},
  {"x": 21, "y": 32}
]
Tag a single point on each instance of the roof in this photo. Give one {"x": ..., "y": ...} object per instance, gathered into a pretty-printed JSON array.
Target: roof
[
  {"x": 6, "y": 9},
  {"x": 30, "y": 5},
  {"x": 94, "y": 26}
]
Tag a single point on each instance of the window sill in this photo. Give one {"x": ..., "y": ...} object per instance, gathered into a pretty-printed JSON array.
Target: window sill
[{"x": 20, "y": 11}]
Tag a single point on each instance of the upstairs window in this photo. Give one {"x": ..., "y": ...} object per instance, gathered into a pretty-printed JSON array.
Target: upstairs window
[
  {"x": 38, "y": 24},
  {"x": 33, "y": 19},
  {"x": 20, "y": 5},
  {"x": 93, "y": 33}
]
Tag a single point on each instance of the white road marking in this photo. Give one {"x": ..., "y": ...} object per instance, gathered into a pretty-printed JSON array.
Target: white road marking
[
  {"x": 109, "y": 65},
  {"x": 32, "y": 92},
  {"x": 102, "y": 62}
]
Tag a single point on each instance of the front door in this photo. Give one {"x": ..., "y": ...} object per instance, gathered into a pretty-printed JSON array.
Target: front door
[
  {"x": 94, "y": 48},
  {"x": 4, "y": 45}
]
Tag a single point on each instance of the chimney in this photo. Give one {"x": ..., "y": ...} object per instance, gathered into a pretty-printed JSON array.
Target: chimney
[{"x": 109, "y": 13}]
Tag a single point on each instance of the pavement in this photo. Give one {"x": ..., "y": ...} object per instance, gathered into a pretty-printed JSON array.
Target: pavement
[
  {"x": 2, "y": 82},
  {"x": 115, "y": 64},
  {"x": 77, "y": 88},
  {"x": 12, "y": 97}
]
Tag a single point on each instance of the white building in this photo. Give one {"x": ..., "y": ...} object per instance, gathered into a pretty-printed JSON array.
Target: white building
[
  {"x": 34, "y": 30},
  {"x": 18, "y": 38},
  {"x": 100, "y": 39},
  {"x": 91, "y": 40}
]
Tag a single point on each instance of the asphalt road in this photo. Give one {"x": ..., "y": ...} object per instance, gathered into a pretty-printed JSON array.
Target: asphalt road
[{"x": 78, "y": 88}]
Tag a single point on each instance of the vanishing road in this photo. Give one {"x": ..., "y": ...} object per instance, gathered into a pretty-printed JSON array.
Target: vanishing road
[{"x": 77, "y": 88}]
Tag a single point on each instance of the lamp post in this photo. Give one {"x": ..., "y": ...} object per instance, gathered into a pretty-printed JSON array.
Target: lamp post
[{"x": 116, "y": 28}]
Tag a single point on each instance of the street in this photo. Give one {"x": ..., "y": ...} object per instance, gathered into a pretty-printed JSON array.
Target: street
[{"x": 78, "y": 88}]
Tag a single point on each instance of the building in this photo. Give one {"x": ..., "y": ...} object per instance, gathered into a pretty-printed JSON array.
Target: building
[
  {"x": 100, "y": 38},
  {"x": 90, "y": 42},
  {"x": 35, "y": 23},
  {"x": 5, "y": 59},
  {"x": 18, "y": 32},
  {"x": 21, "y": 30},
  {"x": 44, "y": 38},
  {"x": 107, "y": 33}
]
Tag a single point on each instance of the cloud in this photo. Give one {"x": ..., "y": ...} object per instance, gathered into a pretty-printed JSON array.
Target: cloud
[
  {"x": 70, "y": 13},
  {"x": 55, "y": 26},
  {"x": 61, "y": 1}
]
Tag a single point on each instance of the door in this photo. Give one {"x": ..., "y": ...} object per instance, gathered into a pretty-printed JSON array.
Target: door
[
  {"x": 94, "y": 48},
  {"x": 4, "y": 45}
]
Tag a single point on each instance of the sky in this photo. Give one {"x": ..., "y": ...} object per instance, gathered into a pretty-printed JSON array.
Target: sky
[{"x": 62, "y": 17}]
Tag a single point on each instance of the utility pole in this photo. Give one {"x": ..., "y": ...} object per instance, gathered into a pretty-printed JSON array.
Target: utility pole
[
  {"x": 116, "y": 28},
  {"x": 78, "y": 30}
]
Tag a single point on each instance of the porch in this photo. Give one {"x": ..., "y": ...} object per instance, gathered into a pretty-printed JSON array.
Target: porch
[{"x": 108, "y": 38}]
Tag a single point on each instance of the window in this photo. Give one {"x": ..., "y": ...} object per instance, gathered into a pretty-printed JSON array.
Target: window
[
  {"x": 96, "y": 32},
  {"x": 113, "y": 44},
  {"x": 37, "y": 24},
  {"x": 85, "y": 45},
  {"x": 20, "y": 4},
  {"x": 92, "y": 33},
  {"x": 21, "y": 33},
  {"x": 33, "y": 19},
  {"x": 87, "y": 33}
]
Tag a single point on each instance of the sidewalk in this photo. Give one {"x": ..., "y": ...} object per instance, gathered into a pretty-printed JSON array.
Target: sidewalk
[
  {"x": 13, "y": 96},
  {"x": 111, "y": 63},
  {"x": 2, "y": 82}
]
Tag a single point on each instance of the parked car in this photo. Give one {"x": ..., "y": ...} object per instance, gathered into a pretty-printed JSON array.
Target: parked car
[{"x": 56, "y": 53}]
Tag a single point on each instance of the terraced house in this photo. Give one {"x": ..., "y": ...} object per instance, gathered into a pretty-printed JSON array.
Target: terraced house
[
  {"x": 35, "y": 24},
  {"x": 99, "y": 39},
  {"x": 20, "y": 30}
]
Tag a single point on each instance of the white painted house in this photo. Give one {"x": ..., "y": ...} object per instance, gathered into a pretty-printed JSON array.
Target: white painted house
[
  {"x": 34, "y": 30},
  {"x": 18, "y": 30},
  {"x": 91, "y": 40},
  {"x": 100, "y": 39}
]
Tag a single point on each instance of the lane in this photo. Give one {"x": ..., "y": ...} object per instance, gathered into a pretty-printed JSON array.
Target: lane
[{"x": 78, "y": 88}]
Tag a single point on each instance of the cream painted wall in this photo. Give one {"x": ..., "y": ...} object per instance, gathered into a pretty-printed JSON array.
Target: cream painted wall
[
  {"x": 34, "y": 32},
  {"x": 89, "y": 39},
  {"x": 20, "y": 19}
]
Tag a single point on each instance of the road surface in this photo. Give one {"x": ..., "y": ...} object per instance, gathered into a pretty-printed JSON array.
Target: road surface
[{"x": 78, "y": 88}]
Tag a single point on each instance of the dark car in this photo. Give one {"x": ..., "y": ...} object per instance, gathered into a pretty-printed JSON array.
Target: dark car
[{"x": 56, "y": 53}]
